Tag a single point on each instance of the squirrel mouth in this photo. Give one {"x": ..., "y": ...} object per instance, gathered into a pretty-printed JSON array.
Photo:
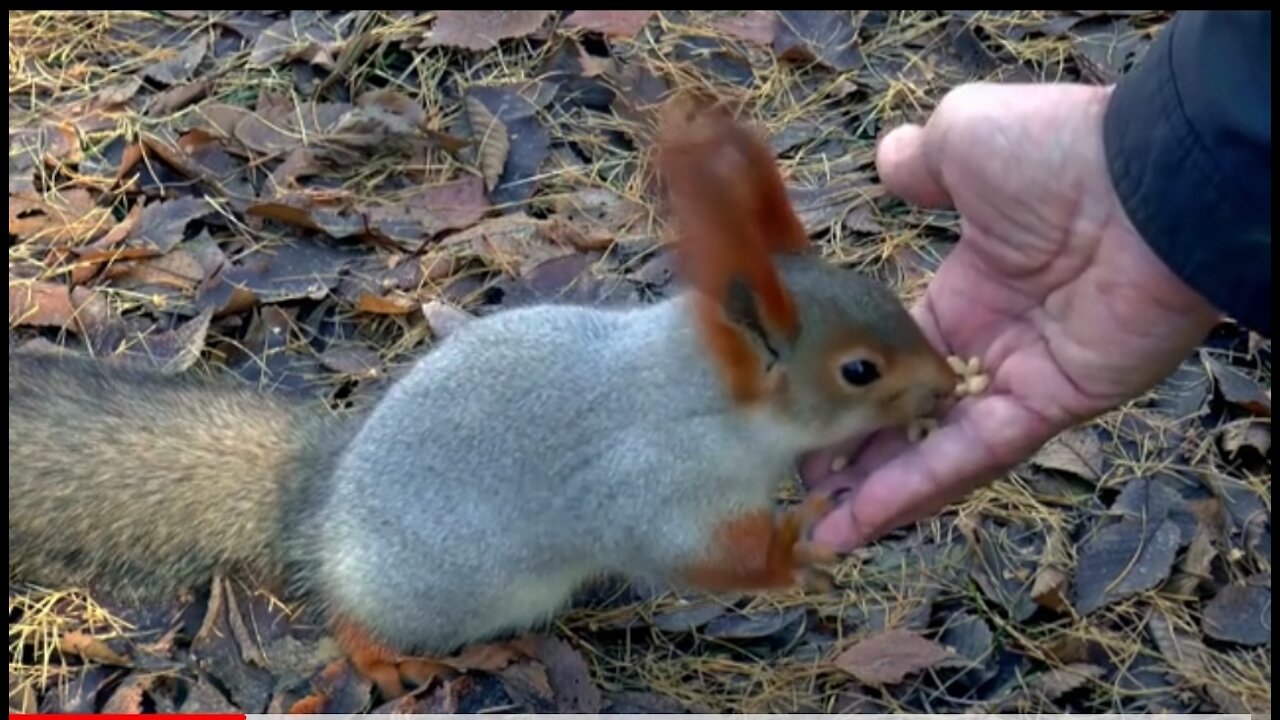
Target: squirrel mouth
[{"x": 817, "y": 466}]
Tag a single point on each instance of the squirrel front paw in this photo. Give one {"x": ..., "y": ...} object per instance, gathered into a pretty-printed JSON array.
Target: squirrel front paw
[{"x": 798, "y": 524}]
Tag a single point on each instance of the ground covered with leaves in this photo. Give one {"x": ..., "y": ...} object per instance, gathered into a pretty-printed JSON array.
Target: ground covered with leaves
[{"x": 311, "y": 199}]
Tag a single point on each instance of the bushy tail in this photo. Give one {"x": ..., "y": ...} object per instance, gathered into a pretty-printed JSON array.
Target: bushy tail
[{"x": 149, "y": 482}]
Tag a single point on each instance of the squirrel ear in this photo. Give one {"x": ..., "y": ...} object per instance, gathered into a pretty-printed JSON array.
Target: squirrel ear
[{"x": 732, "y": 214}]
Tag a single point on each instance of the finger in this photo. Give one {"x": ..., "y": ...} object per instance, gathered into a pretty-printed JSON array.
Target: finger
[
  {"x": 985, "y": 439},
  {"x": 908, "y": 168}
]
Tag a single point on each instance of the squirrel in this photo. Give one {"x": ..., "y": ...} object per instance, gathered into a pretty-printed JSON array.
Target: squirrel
[{"x": 526, "y": 453}]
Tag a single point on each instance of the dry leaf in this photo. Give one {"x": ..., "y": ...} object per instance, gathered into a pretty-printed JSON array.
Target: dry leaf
[
  {"x": 386, "y": 304},
  {"x": 40, "y": 304},
  {"x": 1050, "y": 585},
  {"x": 483, "y": 29},
  {"x": 1239, "y": 614},
  {"x": 1238, "y": 389},
  {"x": 491, "y": 134},
  {"x": 755, "y": 26},
  {"x": 489, "y": 657},
  {"x": 617, "y": 23},
  {"x": 90, "y": 648},
  {"x": 1125, "y": 558},
  {"x": 162, "y": 224},
  {"x": 179, "y": 68},
  {"x": 68, "y": 218},
  {"x": 889, "y": 657},
  {"x": 824, "y": 36},
  {"x": 1077, "y": 451},
  {"x": 516, "y": 244}
]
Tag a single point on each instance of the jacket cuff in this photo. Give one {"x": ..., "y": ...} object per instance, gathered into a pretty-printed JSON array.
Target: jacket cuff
[{"x": 1191, "y": 162}]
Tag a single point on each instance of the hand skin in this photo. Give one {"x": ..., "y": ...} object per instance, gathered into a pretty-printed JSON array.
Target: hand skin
[{"x": 1069, "y": 311}]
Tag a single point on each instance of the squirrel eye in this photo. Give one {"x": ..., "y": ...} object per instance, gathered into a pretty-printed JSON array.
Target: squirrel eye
[{"x": 859, "y": 373}]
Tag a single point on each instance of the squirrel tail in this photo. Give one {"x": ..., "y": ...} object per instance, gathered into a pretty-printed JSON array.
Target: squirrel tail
[{"x": 152, "y": 482}]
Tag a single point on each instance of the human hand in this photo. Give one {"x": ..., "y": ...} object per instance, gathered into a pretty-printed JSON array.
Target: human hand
[{"x": 1050, "y": 286}]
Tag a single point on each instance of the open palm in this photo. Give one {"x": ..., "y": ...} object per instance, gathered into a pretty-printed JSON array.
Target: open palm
[{"x": 1050, "y": 287}]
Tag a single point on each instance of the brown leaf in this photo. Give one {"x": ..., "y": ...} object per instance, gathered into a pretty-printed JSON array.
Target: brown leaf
[
  {"x": 1239, "y": 614},
  {"x": 489, "y": 657},
  {"x": 1185, "y": 652},
  {"x": 491, "y": 135},
  {"x": 483, "y": 29},
  {"x": 67, "y": 218},
  {"x": 1049, "y": 588},
  {"x": 386, "y": 304},
  {"x": 601, "y": 217},
  {"x": 1238, "y": 389},
  {"x": 220, "y": 119},
  {"x": 1125, "y": 558},
  {"x": 528, "y": 679},
  {"x": 178, "y": 97},
  {"x": 516, "y": 106},
  {"x": 616, "y": 23},
  {"x": 569, "y": 677},
  {"x": 824, "y": 36},
  {"x": 40, "y": 304},
  {"x": 754, "y": 26},
  {"x": 1077, "y": 451},
  {"x": 178, "y": 68},
  {"x": 90, "y": 648},
  {"x": 515, "y": 244},
  {"x": 177, "y": 350},
  {"x": 307, "y": 36},
  {"x": 889, "y": 657},
  {"x": 162, "y": 224},
  {"x": 128, "y": 699},
  {"x": 1051, "y": 685},
  {"x": 452, "y": 205},
  {"x": 121, "y": 92}
]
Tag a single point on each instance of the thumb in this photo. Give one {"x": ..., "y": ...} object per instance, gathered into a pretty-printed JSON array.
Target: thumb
[{"x": 906, "y": 164}]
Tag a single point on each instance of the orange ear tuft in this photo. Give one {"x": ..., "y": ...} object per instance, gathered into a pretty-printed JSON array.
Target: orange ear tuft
[{"x": 731, "y": 213}]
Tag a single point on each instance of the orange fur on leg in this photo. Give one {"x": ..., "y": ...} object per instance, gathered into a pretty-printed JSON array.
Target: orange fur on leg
[
  {"x": 385, "y": 667},
  {"x": 760, "y": 552}
]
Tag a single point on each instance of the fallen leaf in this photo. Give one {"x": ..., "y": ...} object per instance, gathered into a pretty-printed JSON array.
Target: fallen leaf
[
  {"x": 1195, "y": 569},
  {"x": 516, "y": 105},
  {"x": 889, "y": 657},
  {"x": 352, "y": 360},
  {"x": 515, "y": 244},
  {"x": 452, "y": 205},
  {"x": 129, "y": 697},
  {"x": 483, "y": 29},
  {"x": 1077, "y": 451},
  {"x": 1049, "y": 588},
  {"x": 616, "y": 23},
  {"x": 40, "y": 304},
  {"x": 1238, "y": 389},
  {"x": 819, "y": 207},
  {"x": 386, "y": 304},
  {"x": 489, "y": 657},
  {"x": 443, "y": 318},
  {"x": 67, "y": 218},
  {"x": 305, "y": 36},
  {"x": 754, "y": 26},
  {"x": 204, "y": 698},
  {"x": 90, "y": 648},
  {"x": 1051, "y": 685},
  {"x": 288, "y": 272},
  {"x": 491, "y": 135},
  {"x": 1184, "y": 652},
  {"x": 1253, "y": 436},
  {"x": 178, "y": 97},
  {"x": 121, "y": 92},
  {"x": 178, "y": 69},
  {"x": 569, "y": 676},
  {"x": 79, "y": 693},
  {"x": 177, "y": 350},
  {"x": 688, "y": 618},
  {"x": 739, "y": 626},
  {"x": 601, "y": 217},
  {"x": 1123, "y": 559},
  {"x": 529, "y": 683},
  {"x": 971, "y": 638},
  {"x": 824, "y": 36},
  {"x": 1240, "y": 614},
  {"x": 162, "y": 224}
]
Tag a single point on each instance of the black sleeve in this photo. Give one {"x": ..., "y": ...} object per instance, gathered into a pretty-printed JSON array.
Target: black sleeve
[{"x": 1188, "y": 140}]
